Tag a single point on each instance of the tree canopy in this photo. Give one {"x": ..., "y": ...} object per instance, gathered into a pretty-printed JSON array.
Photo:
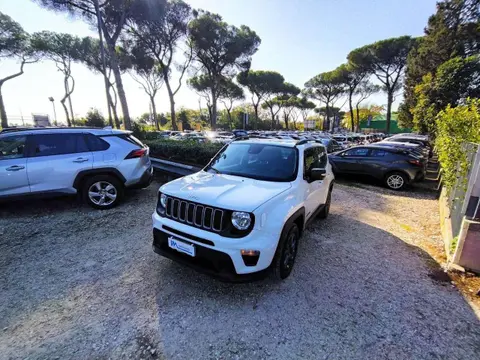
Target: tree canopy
[
  {"x": 220, "y": 49},
  {"x": 452, "y": 32},
  {"x": 161, "y": 36},
  {"x": 13, "y": 39},
  {"x": 386, "y": 60},
  {"x": 14, "y": 43},
  {"x": 326, "y": 87}
]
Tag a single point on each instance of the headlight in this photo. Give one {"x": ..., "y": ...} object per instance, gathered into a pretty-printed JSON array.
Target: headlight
[
  {"x": 163, "y": 200},
  {"x": 241, "y": 220}
]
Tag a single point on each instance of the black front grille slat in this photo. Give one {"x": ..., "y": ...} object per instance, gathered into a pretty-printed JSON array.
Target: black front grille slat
[
  {"x": 198, "y": 219},
  {"x": 175, "y": 206},
  {"x": 207, "y": 218},
  {"x": 190, "y": 212},
  {"x": 169, "y": 206},
  {"x": 198, "y": 215}
]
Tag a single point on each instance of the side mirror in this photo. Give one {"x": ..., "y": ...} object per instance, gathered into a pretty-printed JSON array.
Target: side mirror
[{"x": 317, "y": 174}]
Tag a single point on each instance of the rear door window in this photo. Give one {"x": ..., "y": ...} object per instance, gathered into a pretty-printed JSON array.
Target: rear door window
[{"x": 378, "y": 153}]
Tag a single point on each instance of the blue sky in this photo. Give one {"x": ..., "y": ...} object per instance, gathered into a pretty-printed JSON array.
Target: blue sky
[{"x": 300, "y": 38}]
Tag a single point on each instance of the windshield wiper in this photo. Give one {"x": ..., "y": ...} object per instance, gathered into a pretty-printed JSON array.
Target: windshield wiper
[{"x": 214, "y": 170}]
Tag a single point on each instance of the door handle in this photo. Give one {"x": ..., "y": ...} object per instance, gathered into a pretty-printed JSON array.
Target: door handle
[
  {"x": 15, "y": 168},
  {"x": 80, "y": 160}
]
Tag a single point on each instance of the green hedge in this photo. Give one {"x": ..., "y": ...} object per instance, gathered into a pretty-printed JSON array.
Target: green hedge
[
  {"x": 455, "y": 127},
  {"x": 188, "y": 152}
]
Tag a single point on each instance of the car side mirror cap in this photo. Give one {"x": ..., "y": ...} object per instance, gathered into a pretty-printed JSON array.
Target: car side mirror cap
[{"x": 318, "y": 174}]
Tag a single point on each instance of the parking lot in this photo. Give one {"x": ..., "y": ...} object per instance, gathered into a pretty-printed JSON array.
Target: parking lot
[{"x": 81, "y": 283}]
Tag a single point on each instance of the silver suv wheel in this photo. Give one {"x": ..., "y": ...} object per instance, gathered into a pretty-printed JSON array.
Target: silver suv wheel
[{"x": 102, "y": 193}]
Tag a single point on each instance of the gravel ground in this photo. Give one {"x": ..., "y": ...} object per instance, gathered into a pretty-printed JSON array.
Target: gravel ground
[{"x": 77, "y": 283}]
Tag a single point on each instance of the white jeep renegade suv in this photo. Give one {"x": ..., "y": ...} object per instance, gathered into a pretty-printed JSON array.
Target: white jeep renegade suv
[{"x": 245, "y": 212}]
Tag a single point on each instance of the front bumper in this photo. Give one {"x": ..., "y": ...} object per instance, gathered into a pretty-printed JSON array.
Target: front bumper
[{"x": 215, "y": 255}]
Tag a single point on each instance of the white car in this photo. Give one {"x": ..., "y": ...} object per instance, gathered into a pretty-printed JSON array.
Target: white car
[{"x": 245, "y": 212}]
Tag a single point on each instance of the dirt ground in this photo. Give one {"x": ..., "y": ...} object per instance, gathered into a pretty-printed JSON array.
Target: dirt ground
[{"x": 79, "y": 283}]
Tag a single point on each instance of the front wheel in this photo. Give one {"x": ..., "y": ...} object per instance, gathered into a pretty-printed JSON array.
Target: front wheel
[
  {"x": 286, "y": 252},
  {"x": 396, "y": 181}
]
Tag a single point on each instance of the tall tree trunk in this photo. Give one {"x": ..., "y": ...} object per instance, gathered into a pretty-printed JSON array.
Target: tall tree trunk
[
  {"x": 327, "y": 107},
  {"x": 3, "y": 112},
  {"x": 65, "y": 83},
  {"x": 351, "y": 110},
  {"x": 66, "y": 111},
  {"x": 285, "y": 117},
  {"x": 229, "y": 114},
  {"x": 273, "y": 119},
  {"x": 70, "y": 91},
  {"x": 173, "y": 116},
  {"x": 213, "y": 119},
  {"x": 357, "y": 126},
  {"x": 389, "y": 110},
  {"x": 154, "y": 110},
  {"x": 119, "y": 85},
  {"x": 255, "y": 107},
  {"x": 114, "y": 105}
]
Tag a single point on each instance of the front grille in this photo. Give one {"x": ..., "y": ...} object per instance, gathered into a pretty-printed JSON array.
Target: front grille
[{"x": 198, "y": 215}]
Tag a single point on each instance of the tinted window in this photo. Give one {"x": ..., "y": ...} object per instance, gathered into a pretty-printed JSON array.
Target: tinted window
[
  {"x": 95, "y": 143},
  {"x": 378, "y": 152},
  {"x": 357, "y": 152},
  {"x": 257, "y": 161},
  {"x": 59, "y": 144},
  {"x": 12, "y": 147},
  {"x": 314, "y": 158}
]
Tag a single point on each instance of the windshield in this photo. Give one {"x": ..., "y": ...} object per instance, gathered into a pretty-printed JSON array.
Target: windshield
[{"x": 257, "y": 161}]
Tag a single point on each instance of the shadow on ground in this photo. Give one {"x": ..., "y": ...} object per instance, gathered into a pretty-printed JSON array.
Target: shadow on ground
[{"x": 356, "y": 292}]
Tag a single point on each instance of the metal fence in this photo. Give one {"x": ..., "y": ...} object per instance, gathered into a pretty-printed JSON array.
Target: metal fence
[{"x": 464, "y": 197}]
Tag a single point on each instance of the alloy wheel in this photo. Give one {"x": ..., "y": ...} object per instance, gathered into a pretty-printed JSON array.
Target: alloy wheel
[
  {"x": 102, "y": 193},
  {"x": 290, "y": 252},
  {"x": 395, "y": 181}
]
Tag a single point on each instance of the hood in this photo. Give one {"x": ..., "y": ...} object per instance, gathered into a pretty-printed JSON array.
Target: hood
[{"x": 224, "y": 191}]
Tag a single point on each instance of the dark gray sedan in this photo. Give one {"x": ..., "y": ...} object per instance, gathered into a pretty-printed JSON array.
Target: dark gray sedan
[{"x": 394, "y": 166}]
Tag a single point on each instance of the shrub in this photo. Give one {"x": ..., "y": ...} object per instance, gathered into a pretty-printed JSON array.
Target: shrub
[
  {"x": 95, "y": 119},
  {"x": 139, "y": 130},
  {"x": 455, "y": 127},
  {"x": 188, "y": 152}
]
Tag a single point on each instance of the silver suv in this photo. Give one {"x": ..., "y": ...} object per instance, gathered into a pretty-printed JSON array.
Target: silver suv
[{"x": 98, "y": 164}]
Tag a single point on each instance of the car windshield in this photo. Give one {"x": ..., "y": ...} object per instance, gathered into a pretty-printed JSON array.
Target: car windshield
[{"x": 257, "y": 161}]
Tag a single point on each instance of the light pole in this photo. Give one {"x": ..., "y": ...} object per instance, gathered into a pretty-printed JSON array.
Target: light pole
[{"x": 54, "y": 111}]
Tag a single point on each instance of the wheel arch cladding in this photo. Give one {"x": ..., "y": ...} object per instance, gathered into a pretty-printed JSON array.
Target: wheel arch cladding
[{"x": 83, "y": 175}]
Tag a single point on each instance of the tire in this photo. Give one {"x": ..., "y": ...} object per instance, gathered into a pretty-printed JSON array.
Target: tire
[
  {"x": 109, "y": 189},
  {"x": 326, "y": 209},
  {"x": 396, "y": 181},
  {"x": 286, "y": 253}
]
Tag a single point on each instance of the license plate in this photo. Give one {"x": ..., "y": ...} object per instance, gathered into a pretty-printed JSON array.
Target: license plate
[{"x": 180, "y": 246}]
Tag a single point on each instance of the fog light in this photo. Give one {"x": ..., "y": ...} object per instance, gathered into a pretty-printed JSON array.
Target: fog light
[
  {"x": 250, "y": 252},
  {"x": 250, "y": 257}
]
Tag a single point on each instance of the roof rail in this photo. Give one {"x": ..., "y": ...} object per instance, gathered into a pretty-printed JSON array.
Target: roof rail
[
  {"x": 305, "y": 141},
  {"x": 13, "y": 129},
  {"x": 241, "y": 138}
]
